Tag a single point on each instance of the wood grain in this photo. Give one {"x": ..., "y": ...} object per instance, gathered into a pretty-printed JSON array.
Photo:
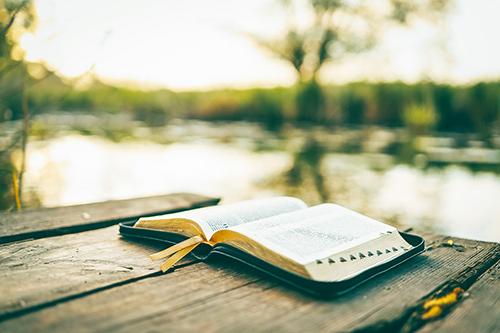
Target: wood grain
[
  {"x": 50, "y": 269},
  {"x": 62, "y": 220},
  {"x": 224, "y": 296},
  {"x": 479, "y": 311}
]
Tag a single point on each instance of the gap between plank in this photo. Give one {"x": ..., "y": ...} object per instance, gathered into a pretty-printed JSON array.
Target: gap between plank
[
  {"x": 410, "y": 320},
  {"x": 59, "y": 231},
  {"x": 37, "y": 307}
]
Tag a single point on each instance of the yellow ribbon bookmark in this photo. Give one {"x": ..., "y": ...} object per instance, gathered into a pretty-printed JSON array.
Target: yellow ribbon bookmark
[
  {"x": 176, "y": 252},
  {"x": 177, "y": 247},
  {"x": 176, "y": 257}
]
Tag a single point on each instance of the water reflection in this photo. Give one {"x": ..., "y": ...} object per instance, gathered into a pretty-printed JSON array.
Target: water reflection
[
  {"x": 240, "y": 160},
  {"x": 78, "y": 169}
]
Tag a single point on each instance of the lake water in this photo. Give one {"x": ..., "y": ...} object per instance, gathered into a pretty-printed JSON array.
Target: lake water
[{"x": 240, "y": 161}]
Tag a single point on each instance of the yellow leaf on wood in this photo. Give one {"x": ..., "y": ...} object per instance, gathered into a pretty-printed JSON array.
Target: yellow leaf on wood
[
  {"x": 434, "y": 307},
  {"x": 432, "y": 313}
]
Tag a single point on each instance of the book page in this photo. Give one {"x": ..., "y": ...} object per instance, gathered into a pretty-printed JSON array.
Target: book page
[
  {"x": 282, "y": 219},
  {"x": 315, "y": 232},
  {"x": 212, "y": 219}
]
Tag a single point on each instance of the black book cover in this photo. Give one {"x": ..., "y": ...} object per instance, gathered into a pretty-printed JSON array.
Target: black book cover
[{"x": 318, "y": 288}]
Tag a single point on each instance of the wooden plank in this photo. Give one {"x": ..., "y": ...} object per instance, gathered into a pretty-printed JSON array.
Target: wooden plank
[
  {"x": 61, "y": 220},
  {"x": 224, "y": 296},
  {"x": 190, "y": 284},
  {"x": 46, "y": 270},
  {"x": 479, "y": 311}
]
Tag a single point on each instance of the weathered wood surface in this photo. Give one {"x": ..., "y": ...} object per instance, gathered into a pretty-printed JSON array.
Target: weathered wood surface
[
  {"x": 478, "y": 312},
  {"x": 55, "y": 221},
  {"x": 96, "y": 281},
  {"x": 44, "y": 270},
  {"x": 179, "y": 299}
]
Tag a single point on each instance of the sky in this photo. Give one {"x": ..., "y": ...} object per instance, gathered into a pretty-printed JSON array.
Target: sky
[{"x": 195, "y": 44}]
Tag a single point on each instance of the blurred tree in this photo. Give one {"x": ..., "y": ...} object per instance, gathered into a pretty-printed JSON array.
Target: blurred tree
[
  {"x": 310, "y": 102},
  {"x": 338, "y": 28},
  {"x": 16, "y": 17}
]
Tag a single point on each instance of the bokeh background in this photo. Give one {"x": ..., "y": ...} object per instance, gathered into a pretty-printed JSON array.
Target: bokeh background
[{"x": 389, "y": 107}]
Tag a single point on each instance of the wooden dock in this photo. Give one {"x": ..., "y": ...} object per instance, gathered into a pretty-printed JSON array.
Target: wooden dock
[{"x": 67, "y": 270}]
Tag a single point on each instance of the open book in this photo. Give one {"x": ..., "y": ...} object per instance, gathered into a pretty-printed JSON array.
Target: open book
[{"x": 326, "y": 243}]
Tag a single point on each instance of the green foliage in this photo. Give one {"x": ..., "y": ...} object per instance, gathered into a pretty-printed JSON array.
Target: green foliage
[
  {"x": 310, "y": 102},
  {"x": 474, "y": 108},
  {"x": 464, "y": 108},
  {"x": 353, "y": 107},
  {"x": 16, "y": 17},
  {"x": 338, "y": 29},
  {"x": 266, "y": 106},
  {"x": 420, "y": 118}
]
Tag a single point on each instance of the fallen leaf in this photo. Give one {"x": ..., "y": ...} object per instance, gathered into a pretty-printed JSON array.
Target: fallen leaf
[
  {"x": 435, "y": 306},
  {"x": 432, "y": 313}
]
